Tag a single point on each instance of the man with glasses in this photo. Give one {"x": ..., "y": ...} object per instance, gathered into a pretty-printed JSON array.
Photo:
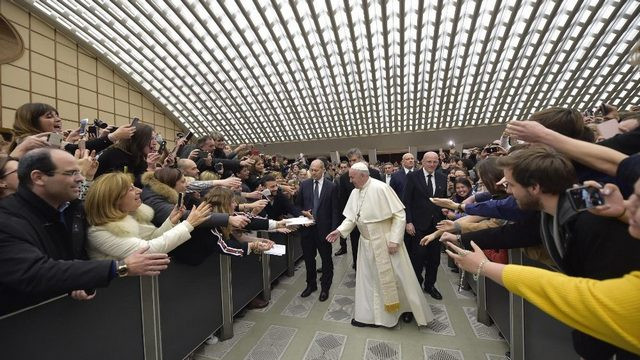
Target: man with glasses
[{"x": 43, "y": 236}]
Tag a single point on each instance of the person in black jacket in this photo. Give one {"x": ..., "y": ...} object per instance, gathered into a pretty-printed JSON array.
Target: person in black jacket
[
  {"x": 422, "y": 217},
  {"x": 129, "y": 155},
  {"x": 591, "y": 246},
  {"x": 43, "y": 235},
  {"x": 319, "y": 196},
  {"x": 160, "y": 192},
  {"x": 345, "y": 187}
]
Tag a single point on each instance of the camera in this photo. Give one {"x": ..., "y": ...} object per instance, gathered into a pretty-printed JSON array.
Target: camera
[
  {"x": 99, "y": 123},
  {"x": 584, "y": 197},
  {"x": 491, "y": 149},
  {"x": 219, "y": 168}
]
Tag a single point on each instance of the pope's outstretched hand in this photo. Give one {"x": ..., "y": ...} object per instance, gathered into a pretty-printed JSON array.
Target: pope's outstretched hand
[{"x": 333, "y": 236}]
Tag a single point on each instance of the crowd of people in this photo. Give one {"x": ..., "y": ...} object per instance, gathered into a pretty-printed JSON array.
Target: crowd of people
[{"x": 82, "y": 208}]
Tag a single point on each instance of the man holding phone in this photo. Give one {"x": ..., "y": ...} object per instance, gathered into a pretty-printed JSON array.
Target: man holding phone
[{"x": 581, "y": 244}]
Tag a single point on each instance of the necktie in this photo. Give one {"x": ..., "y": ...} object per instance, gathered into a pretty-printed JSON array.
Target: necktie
[
  {"x": 429, "y": 186},
  {"x": 316, "y": 196}
]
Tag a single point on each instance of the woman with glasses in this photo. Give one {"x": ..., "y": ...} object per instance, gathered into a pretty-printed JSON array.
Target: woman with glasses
[{"x": 8, "y": 175}]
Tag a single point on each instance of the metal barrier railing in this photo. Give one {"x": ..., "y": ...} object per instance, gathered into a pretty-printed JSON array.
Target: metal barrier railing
[
  {"x": 138, "y": 318},
  {"x": 531, "y": 334}
]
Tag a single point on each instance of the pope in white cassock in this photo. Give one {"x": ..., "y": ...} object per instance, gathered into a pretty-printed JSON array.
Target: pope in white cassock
[{"x": 386, "y": 285}]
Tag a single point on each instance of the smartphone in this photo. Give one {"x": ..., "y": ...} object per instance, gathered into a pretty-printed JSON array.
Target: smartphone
[
  {"x": 163, "y": 146},
  {"x": 54, "y": 139},
  {"x": 82, "y": 146},
  {"x": 584, "y": 197},
  {"x": 452, "y": 179},
  {"x": 189, "y": 136},
  {"x": 135, "y": 121},
  {"x": 83, "y": 126},
  {"x": 180, "y": 200},
  {"x": 603, "y": 109}
]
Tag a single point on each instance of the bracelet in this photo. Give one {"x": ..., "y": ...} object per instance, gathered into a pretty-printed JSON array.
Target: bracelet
[{"x": 480, "y": 268}]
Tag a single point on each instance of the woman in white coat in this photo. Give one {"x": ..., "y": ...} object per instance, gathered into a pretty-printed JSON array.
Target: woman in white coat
[{"x": 120, "y": 224}]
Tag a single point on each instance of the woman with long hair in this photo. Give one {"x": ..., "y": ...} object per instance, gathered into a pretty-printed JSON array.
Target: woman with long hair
[
  {"x": 222, "y": 200},
  {"x": 36, "y": 118},
  {"x": 161, "y": 191},
  {"x": 121, "y": 224},
  {"x": 130, "y": 155}
]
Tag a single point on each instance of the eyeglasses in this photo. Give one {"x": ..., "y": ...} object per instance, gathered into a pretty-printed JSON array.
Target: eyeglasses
[{"x": 72, "y": 173}]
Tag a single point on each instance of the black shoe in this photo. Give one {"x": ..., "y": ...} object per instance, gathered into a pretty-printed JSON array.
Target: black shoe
[
  {"x": 342, "y": 251},
  {"x": 319, "y": 270},
  {"x": 434, "y": 293},
  {"x": 407, "y": 317},
  {"x": 324, "y": 295},
  {"x": 360, "y": 324},
  {"x": 308, "y": 291}
]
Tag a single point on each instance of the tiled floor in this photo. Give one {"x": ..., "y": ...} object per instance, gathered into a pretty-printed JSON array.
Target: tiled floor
[{"x": 296, "y": 328}]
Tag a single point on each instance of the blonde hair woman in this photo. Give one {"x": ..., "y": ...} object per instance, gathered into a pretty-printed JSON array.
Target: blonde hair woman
[{"x": 121, "y": 224}]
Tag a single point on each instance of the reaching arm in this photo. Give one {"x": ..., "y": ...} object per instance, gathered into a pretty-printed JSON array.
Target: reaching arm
[{"x": 597, "y": 157}]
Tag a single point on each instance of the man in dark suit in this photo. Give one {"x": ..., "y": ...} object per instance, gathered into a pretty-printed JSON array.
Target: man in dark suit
[
  {"x": 422, "y": 217},
  {"x": 318, "y": 196},
  {"x": 354, "y": 155},
  {"x": 397, "y": 183},
  {"x": 399, "y": 178},
  {"x": 388, "y": 171}
]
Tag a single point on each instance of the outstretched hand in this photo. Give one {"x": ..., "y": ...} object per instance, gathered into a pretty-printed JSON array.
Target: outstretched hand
[{"x": 333, "y": 236}]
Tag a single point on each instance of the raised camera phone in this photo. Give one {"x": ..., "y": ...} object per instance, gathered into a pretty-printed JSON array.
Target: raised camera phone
[
  {"x": 603, "y": 109},
  {"x": 83, "y": 126},
  {"x": 491, "y": 149},
  {"x": 135, "y": 121},
  {"x": 189, "y": 136},
  {"x": 54, "y": 139},
  {"x": 162, "y": 147},
  {"x": 584, "y": 197},
  {"x": 180, "y": 200}
]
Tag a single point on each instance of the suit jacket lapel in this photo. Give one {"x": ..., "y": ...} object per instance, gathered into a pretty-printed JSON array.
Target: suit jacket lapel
[{"x": 422, "y": 180}]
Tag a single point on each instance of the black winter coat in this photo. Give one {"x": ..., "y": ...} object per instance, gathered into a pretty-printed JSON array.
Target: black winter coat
[{"x": 40, "y": 256}]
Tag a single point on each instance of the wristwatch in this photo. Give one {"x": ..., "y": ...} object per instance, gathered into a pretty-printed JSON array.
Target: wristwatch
[{"x": 121, "y": 268}]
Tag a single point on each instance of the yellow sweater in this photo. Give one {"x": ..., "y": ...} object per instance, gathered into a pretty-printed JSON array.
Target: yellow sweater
[{"x": 608, "y": 310}]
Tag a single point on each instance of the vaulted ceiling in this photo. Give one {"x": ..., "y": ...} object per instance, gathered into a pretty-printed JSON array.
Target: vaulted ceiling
[{"x": 272, "y": 71}]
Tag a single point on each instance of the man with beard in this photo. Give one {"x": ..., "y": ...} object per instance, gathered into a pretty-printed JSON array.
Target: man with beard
[{"x": 580, "y": 244}]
